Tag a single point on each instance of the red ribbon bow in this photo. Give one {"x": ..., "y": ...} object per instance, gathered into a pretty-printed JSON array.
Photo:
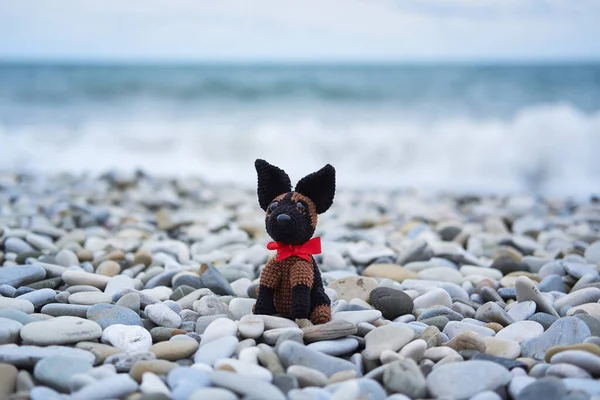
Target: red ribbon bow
[{"x": 313, "y": 246}]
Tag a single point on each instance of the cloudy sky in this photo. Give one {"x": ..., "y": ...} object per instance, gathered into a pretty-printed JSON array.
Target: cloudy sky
[{"x": 358, "y": 30}]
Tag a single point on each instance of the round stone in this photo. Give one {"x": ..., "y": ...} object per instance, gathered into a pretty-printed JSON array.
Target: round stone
[
  {"x": 391, "y": 302},
  {"x": 353, "y": 287},
  {"x": 389, "y": 337},
  {"x": 90, "y": 298},
  {"x": 127, "y": 337},
  {"x": 390, "y": 271},
  {"x": 162, "y": 315},
  {"x": 60, "y": 330},
  {"x": 107, "y": 314},
  {"x": 520, "y": 331},
  {"x": 217, "y": 329},
  {"x": 21, "y": 275},
  {"x": 108, "y": 268},
  {"x": 16, "y": 304},
  {"x": 57, "y": 371},
  {"x": 251, "y": 326},
  {"x": 435, "y": 297},
  {"x": 174, "y": 350},
  {"x": 462, "y": 380}
]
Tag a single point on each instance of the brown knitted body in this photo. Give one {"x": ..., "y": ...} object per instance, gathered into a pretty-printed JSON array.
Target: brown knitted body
[{"x": 295, "y": 276}]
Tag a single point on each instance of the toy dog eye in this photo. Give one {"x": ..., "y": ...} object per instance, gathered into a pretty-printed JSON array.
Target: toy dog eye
[
  {"x": 273, "y": 206},
  {"x": 300, "y": 207}
]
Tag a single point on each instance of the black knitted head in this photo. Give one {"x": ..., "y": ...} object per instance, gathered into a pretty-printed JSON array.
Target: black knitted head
[{"x": 292, "y": 216}]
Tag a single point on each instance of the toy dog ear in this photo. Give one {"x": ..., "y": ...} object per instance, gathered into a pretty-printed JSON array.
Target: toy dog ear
[
  {"x": 319, "y": 187},
  {"x": 272, "y": 182}
]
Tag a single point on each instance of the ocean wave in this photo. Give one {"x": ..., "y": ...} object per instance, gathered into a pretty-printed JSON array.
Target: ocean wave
[{"x": 546, "y": 150}]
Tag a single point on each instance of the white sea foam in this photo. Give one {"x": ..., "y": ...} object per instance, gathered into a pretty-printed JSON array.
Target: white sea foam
[{"x": 550, "y": 149}]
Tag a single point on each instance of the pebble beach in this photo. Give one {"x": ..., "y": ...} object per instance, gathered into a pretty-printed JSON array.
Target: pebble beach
[{"x": 131, "y": 286}]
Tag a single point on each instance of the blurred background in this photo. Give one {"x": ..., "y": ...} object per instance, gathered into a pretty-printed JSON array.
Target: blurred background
[{"x": 463, "y": 95}]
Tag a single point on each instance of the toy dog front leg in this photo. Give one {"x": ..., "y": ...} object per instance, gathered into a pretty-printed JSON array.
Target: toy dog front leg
[
  {"x": 302, "y": 278},
  {"x": 269, "y": 279}
]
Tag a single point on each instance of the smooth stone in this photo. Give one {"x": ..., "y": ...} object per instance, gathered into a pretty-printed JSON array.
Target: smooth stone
[
  {"x": 441, "y": 274},
  {"x": 463, "y": 380},
  {"x": 129, "y": 338},
  {"x": 239, "y": 307},
  {"x": 217, "y": 329},
  {"x": 577, "y": 270},
  {"x": 565, "y": 331},
  {"x": 591, "y": 322},
  {"x": 438, "y": 311},
  {"x": 546, "y": 320},
  {"x": 204, "y": 321},
  {"x": 528, "y": 291},
  {"x": 27, "y": 356},
  {"x": 119, "y": 283},
  {"x": 158, "y": 367},
  {"x": 117, "y": 386},
  {"x": 184, "y": 381},
  {"x": 215, "y": 281},
  {"x": 251, "y": 326},
  {"x": 589, "y": 386},
  {"x": 518, "y": 383},
  {"x": 579, "y": 297},
  {"x": 391, "y": 302},
  {"x": 174, "y": 350},
  {"x": 66, "y": 258},
  {"x": 435, "y": 297},
  {"x": 17, "y": 315},
  {"x": 522, "y": 311},
  {"x": 244, "y": 368},
  {"x": 246, "y": 386},
  {"x": 73, "y": 277},
  {"x": 44, "y": 393},
  {"x": 57, "y": 371},
  {"x": 21, "y": 275},
  {"x": 293, "y": 353},
  {"x": 390, "y": 271},
  {"x": 123, "y": 362},
  {"x": 505, "y": 362},
  {"x": 60, "y": 330},
  {"x": 492, "y": 312},
  {"x": 213, "y": 394},
  {"x": 65, "y": 310},
  {"x": 152, "y": 385},
  {"x": 589, "y": 347},
  {"x": 387, "y": 337},
  {"x": 592, "y": 309},
  {"x": 521, "y": 331},
  {"x": 130, "y": 301},
  {"x": 405, "y": 377},
  {"x": 107, "y": 314},
  {"x": 356, "y": 317},
  {"x": 162, "y": 315},
  {"x": 8, "y": 380},
  {"x": 39, "y": 298},
  {"x": 274, "y": 336},
  {"x": 331, "y": 330},
  {"x": 499, "y": 347},
  {"x": 108, "y": 268},
  {"x": 307, "y": 377},
  {"x": 548, "y": 388},
  {"x": 561, "y": 370},
  {"x": 90, "y": 298},
  {"x": 552, "y": 283},
  {"x": 209, "y": 305},
  {"x": 273, "y": 322},
  {"x": 592, "y": 253},
  {"x": 414, "y": 350},
  {"x": 16, "y": 304},
  {"x": 454, "y": 328},
  {"x": 17, "y": 245},
  {"x": 336, "y": 347},
  {"x": 9, "y": 331},
  {"x": 353, "y": 287},
  {"x": 222, "y": 347},
  {"x": 101, "y": 351},
  {"x": 583, "y": 359}
]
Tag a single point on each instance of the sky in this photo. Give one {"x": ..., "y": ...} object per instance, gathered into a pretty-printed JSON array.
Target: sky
[{"x": 309, "y": 30}]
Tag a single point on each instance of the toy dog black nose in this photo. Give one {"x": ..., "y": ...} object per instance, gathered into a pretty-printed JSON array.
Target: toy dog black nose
[{"x": 283, "y": 219}]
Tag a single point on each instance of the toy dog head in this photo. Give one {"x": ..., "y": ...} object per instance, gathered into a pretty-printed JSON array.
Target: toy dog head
[{"x": 292, "y": 215}]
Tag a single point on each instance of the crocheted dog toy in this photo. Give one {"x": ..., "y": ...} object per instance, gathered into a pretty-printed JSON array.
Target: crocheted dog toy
[{"x": 290, "y": 284}]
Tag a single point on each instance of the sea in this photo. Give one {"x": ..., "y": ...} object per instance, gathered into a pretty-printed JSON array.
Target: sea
[{"x": 475, "y": 128}]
